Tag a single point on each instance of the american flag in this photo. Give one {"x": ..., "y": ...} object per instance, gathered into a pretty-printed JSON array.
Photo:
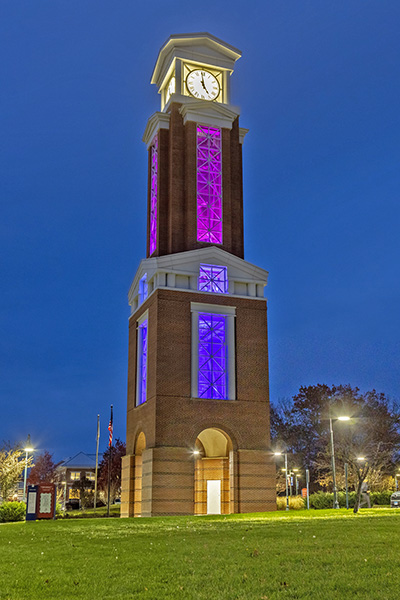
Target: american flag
[{"x": 110, "y": 429}]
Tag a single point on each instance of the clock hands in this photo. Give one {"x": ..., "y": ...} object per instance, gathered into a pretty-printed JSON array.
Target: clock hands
[{"x": 202, "y": 82}]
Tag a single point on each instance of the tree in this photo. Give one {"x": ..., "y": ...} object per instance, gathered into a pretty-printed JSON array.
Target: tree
[
  {"x": 302, "y": 427},
  {"x": 117, "y": 452},
  {"x": 12, "y": 465},
  {"x": 44, "y": 470}
]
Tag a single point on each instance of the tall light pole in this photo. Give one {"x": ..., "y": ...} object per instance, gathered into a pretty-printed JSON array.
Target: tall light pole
[
  {"x": 27, "y": 449},
  {"x": 296, "y": 474},
  {"x": 335, "y": 500},
  {"x": 346, "y": 472},
  {"x": 286, "y": 476}
]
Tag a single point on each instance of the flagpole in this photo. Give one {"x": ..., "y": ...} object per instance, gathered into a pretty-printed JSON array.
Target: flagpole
[
  {"x": 110, "y": 429},
  {"x": 97, "y": 461}
]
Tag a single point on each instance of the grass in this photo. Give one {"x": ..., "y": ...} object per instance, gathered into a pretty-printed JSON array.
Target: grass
[
  {"x": 301, "y": 554},
  {"x": 100, "y": 511}
]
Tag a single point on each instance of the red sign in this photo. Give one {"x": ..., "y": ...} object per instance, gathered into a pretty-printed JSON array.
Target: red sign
[
  {"x": 46, "y": 501},
  {"x": 304, "y": 492}
]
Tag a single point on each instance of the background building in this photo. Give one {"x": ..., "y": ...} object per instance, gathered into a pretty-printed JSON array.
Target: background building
[{"x": 80, "y": 466}]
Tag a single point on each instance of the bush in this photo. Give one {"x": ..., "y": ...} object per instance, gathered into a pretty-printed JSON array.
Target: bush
[
  {"x": 325, "y": 499},
  {"x": 381, "y": 498},
  {"x": 295, "y": 503},
  {"x": 12, "y": 511}
]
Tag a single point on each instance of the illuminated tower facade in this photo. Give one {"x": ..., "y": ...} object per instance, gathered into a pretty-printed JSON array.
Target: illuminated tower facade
[{"x": 198, "y": 399}]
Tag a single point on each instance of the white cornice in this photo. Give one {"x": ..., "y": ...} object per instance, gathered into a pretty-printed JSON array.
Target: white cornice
[
  {"x": 210, "y": 113},
  {"x": 181, "y": 271},
  {"x": 242, "y": 133},
  {"x": 200, "y": 48},
  {"x": 158, "y": 120}
]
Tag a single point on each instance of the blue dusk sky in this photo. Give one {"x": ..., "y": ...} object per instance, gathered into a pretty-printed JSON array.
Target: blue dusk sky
[{"x": 319, "y": 89}]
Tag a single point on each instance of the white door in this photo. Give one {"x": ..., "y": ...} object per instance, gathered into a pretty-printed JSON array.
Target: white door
[{"x": 213, "y": 497}]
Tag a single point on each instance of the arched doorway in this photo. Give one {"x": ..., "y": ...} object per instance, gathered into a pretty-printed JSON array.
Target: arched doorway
[
  {"x": 137, "y": 497},
  {"x": 213, "y": 472}
]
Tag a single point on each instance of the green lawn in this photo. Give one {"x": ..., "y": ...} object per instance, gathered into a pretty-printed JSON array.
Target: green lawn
[{"x": 314, "y": 555}]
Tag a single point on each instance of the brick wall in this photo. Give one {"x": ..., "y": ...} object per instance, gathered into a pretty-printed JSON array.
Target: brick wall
[
  {"x": 171, "y": 419},
  {"x": 177, "y": 188}
]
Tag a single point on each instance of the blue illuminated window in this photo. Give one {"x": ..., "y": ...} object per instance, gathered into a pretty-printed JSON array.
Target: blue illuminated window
[
  {"x": 213, "y": 278},
  {"x": 143, "y": 289}
]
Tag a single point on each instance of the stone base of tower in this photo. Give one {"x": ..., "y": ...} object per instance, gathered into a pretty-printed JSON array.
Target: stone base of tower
[{"x": 172, "y": 481}]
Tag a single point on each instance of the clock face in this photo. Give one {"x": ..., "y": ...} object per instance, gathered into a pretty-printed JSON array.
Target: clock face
[{"x": 202, "y": 84}]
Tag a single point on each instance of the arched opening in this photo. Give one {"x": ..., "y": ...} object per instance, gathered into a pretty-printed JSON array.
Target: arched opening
[
  {"x": 137, "y": 497},
  {"x": 213, "y": 473}
]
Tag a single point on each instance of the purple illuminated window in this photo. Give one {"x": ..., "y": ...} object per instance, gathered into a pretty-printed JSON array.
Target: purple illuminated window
[
  {"x": 213, "y": 278},
  {"x": 212, "y": 356},
  {"x": 209, "y": 185},
  {"x": 153, "y": 195},
  {"x": 142, "y": 363}
]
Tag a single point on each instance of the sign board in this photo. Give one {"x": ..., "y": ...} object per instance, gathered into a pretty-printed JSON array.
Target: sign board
[
  {"x": 304, "y": 492},
  {"x": 31, "y": 501},
  {"x": 41, "y": 502},
  {"x": 46, "y": 502}
]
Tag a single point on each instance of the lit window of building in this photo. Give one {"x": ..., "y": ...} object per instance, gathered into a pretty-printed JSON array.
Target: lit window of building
[
  {"x": 90, "y": 475},
  {"x": 213, "y": 360},
  {"x": 213, "y": 278},
  {"x": 143, "y": 289},
  {"x": 75, "y": 475}
]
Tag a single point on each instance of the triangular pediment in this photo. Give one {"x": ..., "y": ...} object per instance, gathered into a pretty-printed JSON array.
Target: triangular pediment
[
  {"x": 201, "y": 48},
  {"x": 211, "y": 113},
  {"x": 183, "y": 268}
]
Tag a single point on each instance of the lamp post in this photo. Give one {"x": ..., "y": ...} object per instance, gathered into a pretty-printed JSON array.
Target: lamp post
[
  {"x": 335, "y": 500},
  {"x": 346, "y": 469},
  {"x": 286, "y": 477},
  {"x": 396, "y": 482},
  {"x": 296, "y": 473},
  {"x": 27, "y": 449}
]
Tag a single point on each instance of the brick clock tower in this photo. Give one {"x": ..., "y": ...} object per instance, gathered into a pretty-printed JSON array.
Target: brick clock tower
[{"x": 198, "y": 400}]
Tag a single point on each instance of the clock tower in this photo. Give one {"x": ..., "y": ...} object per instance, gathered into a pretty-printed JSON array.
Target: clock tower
[{"x": 198, "y": 399}]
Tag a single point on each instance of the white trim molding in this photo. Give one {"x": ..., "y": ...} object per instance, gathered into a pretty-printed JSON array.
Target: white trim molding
[
  {"x": 180, "y": 272},
  {"x": 159, "y": 120}
]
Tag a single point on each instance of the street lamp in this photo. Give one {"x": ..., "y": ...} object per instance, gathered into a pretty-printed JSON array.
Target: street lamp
[
  {"x": 296, "y": 474},
  {"x": 27, "y": 449},
  {"x": 335, "y": 500},
  {"x": 286, "y": 476}
]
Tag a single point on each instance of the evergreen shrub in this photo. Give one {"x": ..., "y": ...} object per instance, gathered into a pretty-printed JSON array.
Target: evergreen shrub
[{"x": 12, "y": 511}]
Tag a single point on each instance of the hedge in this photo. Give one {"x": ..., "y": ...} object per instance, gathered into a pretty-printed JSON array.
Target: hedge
[{"x": 12, "y": 511}]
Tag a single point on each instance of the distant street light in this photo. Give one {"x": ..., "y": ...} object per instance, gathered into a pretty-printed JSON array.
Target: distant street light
[
  {"x": 27, "y": 449},
  {"x": 346, "y": 470},
  {"x": 335, "y": 500},
  {"x": 286, "y": 476},
  {"x": 296, "y": 475}
]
